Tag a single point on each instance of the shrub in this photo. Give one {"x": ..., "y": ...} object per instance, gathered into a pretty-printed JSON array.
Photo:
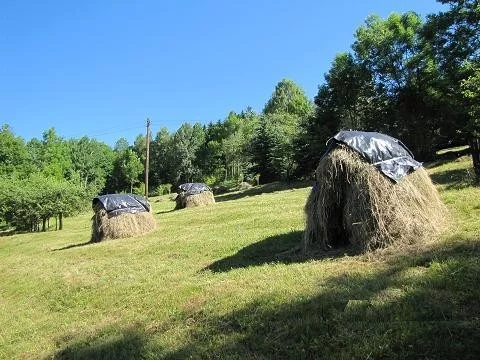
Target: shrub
[
  {"x": 28, "y": 203},
  {"x": 210, "y": 180},
  {"x": 163, "y": 189},
  {"x": 140, "y": 189}
]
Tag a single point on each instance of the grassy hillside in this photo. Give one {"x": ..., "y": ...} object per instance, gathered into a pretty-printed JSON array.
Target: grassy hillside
[{"x": 221, "y": 282}]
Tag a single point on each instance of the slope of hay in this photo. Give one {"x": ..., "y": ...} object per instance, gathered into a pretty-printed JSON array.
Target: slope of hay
[
  {"x": 354, "y": 204},
  {"x": 185, "y": 201},
  {"x": 121, "y": 226}
]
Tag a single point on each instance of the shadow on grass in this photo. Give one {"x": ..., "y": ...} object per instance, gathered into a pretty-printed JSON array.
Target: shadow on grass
[
  {"x": 111, "y": 343},
  {"x": 165, "y": 211},
  {"x": 74, "y": 246},
  {"x": 416, "y": 306},
  {"x": 452, "y": 154},
  {"x": 283, "y": 248},
  {"x": 454, "y": 179},
  {"x": 7, "y": 232},
  {"x": 447, "y": 157},
  {"x": 262, "y": 189}
]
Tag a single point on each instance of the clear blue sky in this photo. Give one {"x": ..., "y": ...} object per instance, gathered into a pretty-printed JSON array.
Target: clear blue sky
[{"x": 100, "y": 68}]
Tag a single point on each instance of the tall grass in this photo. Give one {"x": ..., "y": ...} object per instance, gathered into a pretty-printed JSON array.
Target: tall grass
[{"x": 225, "y": 281}]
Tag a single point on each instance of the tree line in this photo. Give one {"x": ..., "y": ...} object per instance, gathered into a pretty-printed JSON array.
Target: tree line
[{"x": 416, "y": 80}]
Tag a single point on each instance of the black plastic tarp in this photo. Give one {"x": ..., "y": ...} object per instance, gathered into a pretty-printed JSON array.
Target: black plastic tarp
[
  {"x": 389, "y": 155},
  {"x": 116, "y": 204},
  {"x": 192, "y": 188}
]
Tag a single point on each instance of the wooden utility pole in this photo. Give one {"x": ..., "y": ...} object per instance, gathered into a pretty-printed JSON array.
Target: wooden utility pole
[{"x": 147, "y": 158}]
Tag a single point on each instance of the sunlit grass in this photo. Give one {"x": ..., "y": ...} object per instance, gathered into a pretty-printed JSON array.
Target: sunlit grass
[{"x": 221, "y": 282}]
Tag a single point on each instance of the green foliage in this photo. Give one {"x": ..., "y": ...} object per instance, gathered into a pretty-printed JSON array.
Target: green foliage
[
  {"x": 210, "y": 180},
  {"x": 186, "y": 143},
  {"x": 274, "y": 147},
  {"x": 163, "y": 189},
  {"x": 140, "y": 147},
  {"x": 139, "y": 189},
  {"x": 126, "y": 171},
  {"x": 352, "y": 91},
  {"x": 453, "y": 38},
  {"x": 29, "y": 203},
  {"x": 92, "y": 160},
  {"x": 288, "y": 98},
  {"x": 131, "y": 167},
  {"x": 471, "y": 90},
  {"x": 161, "y": 169},
  {"x": 404, "y": 75},
  {"x": 54, "y": 155},
  {"x": 388, "y": 48},
  {"x": 282, "y": 130},
  {"x": 226, "y": 152},
  {"x": 14, "y": 157},
  {"x": 275, "y": 143},
  {"x": 121, "y": 145}
]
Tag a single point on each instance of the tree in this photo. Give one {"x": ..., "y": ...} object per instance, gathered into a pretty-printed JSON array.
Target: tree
[
  {"x": 262, "y": 151},
  {"x": 140, "y": 147},
  {"x": 273, "y": 145},
  {"x": 121, "y": 145},
  {"x": 210, "y": 154},
  {"x": 161, "y": 158},
  {"x": 28, "y": 204},
  {"x": 315, "y": 130},
  {"x": 14, "y": 156},
  {"x": 454, "y": 36},
  {"x": 131, "y": 167},
  {"x": 92, "y": 160},
  {"x": 283, "y": 130},
  {"x": 187, "y": 140},
  {"x": 232, "y": 150},
  {"x": 352, "y": 92},
  {"x": 55, "y": 155},
  {"x": 471, "y": 91},
  {"x": 388, "y": 48},
  {"x": 288, "y": 98},
  {"x": 404, "y": 73}
]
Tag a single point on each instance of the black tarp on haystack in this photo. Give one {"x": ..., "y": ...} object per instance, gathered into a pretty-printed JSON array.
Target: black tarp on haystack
[
  {"x": 389, "y": 155},
  {"x": 192, "y": 188},
  {"x": 116, "y": 204}
]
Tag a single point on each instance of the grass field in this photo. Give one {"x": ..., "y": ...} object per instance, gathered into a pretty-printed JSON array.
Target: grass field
[{"x": 223, "y": 282}]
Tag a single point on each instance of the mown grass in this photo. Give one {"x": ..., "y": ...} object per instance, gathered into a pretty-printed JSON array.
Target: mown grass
[{"x": 223, "y": 282}]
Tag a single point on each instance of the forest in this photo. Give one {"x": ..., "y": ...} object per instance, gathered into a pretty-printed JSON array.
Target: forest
[{"x": 417, "y": 80}]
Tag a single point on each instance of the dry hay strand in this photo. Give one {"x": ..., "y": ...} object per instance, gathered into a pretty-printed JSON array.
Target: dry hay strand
[
  {"x": 121, "y": 226},
  {"x": 354, "y": 204},
  {"x": 186, "y": 201}
]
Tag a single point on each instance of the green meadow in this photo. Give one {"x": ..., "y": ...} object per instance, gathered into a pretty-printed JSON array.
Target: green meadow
[{"x": 228, "y": 282}]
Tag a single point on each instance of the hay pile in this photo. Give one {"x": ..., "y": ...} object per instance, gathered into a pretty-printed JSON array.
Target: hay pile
[
  {"x": 120, "y": 226},
  {"x": 354, "y": 204},
  {"x": 185, "y": 200}
]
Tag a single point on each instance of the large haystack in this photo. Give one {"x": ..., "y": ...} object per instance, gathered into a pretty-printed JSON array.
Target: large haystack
[
  {"x": 185, "y": 201},
  {"x": 194, "y": 194},
  {"x": 120, "y": 216},
  {"x": 353, "y": 203}
]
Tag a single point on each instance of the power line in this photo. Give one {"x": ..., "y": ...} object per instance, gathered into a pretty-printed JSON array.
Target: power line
[{"x": 108, "y": 132}]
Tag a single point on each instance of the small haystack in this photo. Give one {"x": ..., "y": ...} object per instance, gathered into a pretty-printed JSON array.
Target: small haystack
[
  {"x": 194, "y": 194},
  {"x": 367, "y": 203},
  {"x": 120, "y": 216}
]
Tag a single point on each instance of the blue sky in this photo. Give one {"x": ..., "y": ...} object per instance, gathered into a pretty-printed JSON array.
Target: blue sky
[{"x": 100, "y": 68}]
